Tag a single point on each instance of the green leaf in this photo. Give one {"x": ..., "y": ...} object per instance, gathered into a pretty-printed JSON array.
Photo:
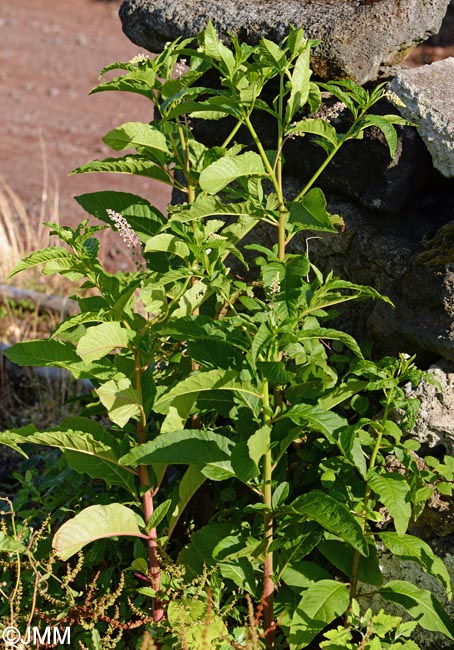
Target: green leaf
[
  {"x": 42, "y": 256},
  {"x": 190, "y": 388},
  {"x": 143, "y": 218},
  {"x": 215, "y": 49},
  {"x": 388, "y": 130},
  {"x": 158, "y": 515},
  {"x": 314, "y": 126},
  {"x": 168, "y": 244},
  {"x": 420, "y": 604},
  {"x": 342, "y": 556},
  {"x": 412, "y": 548},
  {"x": 46, "y": 352},
  {"x": 136, "y": 134},
  {"x": 120, "y": 399},
  {"x": 225, "y": 170},
  {"x": 186, "y": 447},
  {"x": 139, "y": 80},
  {"x": 299, "y": 84},
  {"x": 302, "y": 574},
  {"x": 132, "y": 164},
  {"x": 258, "y": 443},
  {"x": 9, "y": 439},
  {"x": 93, "y": 523},
  {"x": 10, "y": 544},
  {"x": 394, "y": 492},
  {"x": 100, "y": 340},
  {"x": 321, "y": 603},
  {"x": 333, "y": 516},
  {"x": 332, "y": 334},
  {"x": 310, "y": 213},
  {"x": 316, "y": 418}
]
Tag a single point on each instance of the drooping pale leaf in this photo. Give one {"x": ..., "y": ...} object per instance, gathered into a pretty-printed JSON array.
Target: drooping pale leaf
[
  {"x": 244, "y": 467},
  {"x": 51, "y": 253},
  {"x": 143, "y": 218},
  {"x": 93, "y": 523},
  {"x": 408, "y": 547},
  {"x": 10, "y": 544},
  {"x": 212, "y": 206},
  {"x": 99, "y": 468},
  {"x": 120, "y": 399},
  {"x": 186, "y": 447},
  {"x": 394, "y": 492},
  {"x": 191, "y": 387},
  {"x": 101, "y": 340},
  {"x": 420, "y": 604},
  {"x": 310, "y": 213},
  {"x": 333, "y": 516},
  {"x": 225, "y": 170},
  {"x": 136, "y": 134},
  {"x": 169, "y": 244},
  {"x": 132, "y": 164},
  {"x": 321, "y": 603}
]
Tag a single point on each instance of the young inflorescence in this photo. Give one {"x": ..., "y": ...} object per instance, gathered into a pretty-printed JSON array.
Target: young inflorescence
[{"x": 128, "y": 236}]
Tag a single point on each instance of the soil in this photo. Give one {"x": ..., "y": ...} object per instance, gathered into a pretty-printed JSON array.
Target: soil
[{"x": 51, "y": 54}]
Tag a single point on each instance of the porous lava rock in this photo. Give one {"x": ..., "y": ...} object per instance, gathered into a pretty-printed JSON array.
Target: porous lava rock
[{"x": 357, "y": 37}]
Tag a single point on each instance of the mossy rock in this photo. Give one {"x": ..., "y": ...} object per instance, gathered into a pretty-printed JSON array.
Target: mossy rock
[{"x": 439, "y": 250}]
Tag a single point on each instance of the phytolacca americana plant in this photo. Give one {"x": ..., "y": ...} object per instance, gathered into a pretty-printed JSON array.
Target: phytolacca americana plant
[{"x": 230, "y": 378}]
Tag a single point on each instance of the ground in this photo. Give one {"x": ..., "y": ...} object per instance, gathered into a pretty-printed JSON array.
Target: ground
[{"x": 51, "y": 54}]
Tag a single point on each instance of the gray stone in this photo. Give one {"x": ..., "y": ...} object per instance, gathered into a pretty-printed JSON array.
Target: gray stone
[
  {"x": 357, "y": 37},
  {"x": 428, "y": 93},
  {"x": 434, "y": 426}
]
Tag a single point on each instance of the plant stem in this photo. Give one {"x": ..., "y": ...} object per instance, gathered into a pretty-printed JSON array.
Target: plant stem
[
  {"x": 268, "y": 584},
  {"x": 154, "y": 568},
  {"x": 367, "y": 491}
]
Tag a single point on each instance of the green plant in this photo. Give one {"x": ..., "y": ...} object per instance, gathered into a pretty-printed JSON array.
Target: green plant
[{"x": 237, "y": 381}]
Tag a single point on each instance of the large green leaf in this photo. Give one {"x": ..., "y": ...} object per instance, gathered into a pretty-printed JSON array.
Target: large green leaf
[
  {"x": 310, "y": 213},
  {"x": 421, "y": 604},
  {"x": 333, "y": 516},
  {"x": 51, "y": 253},
  {"x": 394, "y": 492},
  {"x": 225, "y": 170},
  {"x": 136, "y": 134},
  {"x": 186, "y": 447},
  {"x": 101, "y": 340},
  {"x": 143, "y": 218},
  {"x": 189, "y": 389},
  {"x": 46, "y": 352},
  {"x": 315, "y": 126},
  {"x": 321, "y": 603},
  {"x": 93, "y": 523},
  {"x": 167, "y": 243},
  {"x": 9, "y": 439},
  {"x": 139, "y": 80},
  {"x": 317, "y": 418},
  {"x": 412, "y": 548},
  {"x": 342, "y": 556},
  {"x": 300, "y": 85},
  {"x": 120, "y": 399},
  {"x": 138, "y": 165}
]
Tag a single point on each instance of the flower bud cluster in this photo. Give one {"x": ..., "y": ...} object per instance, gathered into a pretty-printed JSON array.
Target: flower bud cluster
[
  {"x": 139, "y": 58},
  {"x": 328, "y": 113}
]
